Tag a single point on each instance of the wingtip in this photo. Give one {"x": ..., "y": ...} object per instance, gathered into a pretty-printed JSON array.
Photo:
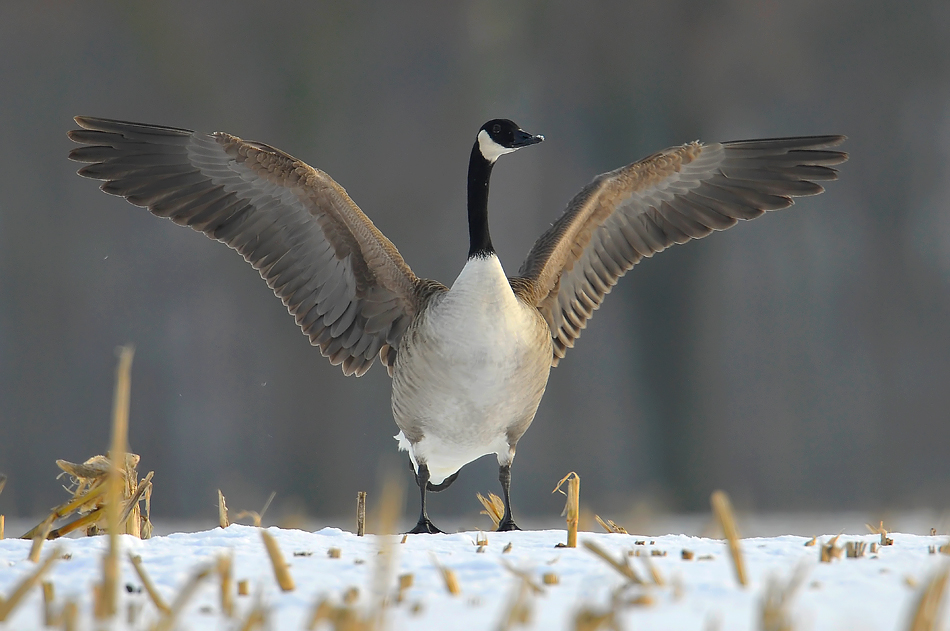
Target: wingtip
[
  {"x": 82, "y": 121},
  {"x": 116, "y": 126},
  {"x": 90, "y": 122},
  {"x": 73, "y": 134},
  {"x": 837, "y": 140},
  {"x": 834, "y": 140}
]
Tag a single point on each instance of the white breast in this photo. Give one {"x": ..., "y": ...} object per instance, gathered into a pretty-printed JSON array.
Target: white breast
[{"x": 470, "y": 374}]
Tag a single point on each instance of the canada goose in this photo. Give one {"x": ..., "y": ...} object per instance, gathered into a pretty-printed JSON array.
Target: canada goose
[{"x": 469, "y": 363}]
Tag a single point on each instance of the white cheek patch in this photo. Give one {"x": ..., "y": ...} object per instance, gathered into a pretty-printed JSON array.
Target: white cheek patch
[{"x": 489, "y": 148}]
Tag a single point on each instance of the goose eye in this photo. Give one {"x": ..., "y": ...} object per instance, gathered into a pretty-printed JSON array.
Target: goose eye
[{"x": 496, "y": 129}]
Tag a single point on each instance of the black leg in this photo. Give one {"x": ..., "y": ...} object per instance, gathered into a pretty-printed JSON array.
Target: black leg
[
  {"x": 424, "y": 525},
  {"x": 446, "y": 483},
  {"x": 504, "y": 476}
]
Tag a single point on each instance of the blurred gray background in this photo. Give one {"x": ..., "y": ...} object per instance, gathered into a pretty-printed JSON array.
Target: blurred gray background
[{"x": 800, "y": 361}]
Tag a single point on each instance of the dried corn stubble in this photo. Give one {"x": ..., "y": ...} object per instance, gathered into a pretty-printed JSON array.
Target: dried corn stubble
[
  {"x": 610, "y": 526},
  {"x": 223, "y": 520},
  {"x": 722, "y": 507},
  {"x": 88, "y": 485},
  {"x": 256, "y": 619},
  {"x": 42, "y": 531},
  {"x": 831, "y": 550},
  {"x": 339, "y": 618},
  {"x": 117, "y": 484},
  {"x": 623, "y": 566},
  {"x": 591, "y": 619},
  {"x": 8, "y": 604},
  {"x": 520, "y": 605},
  {"x": 385, "y": 520},
  {"x": 775, "y": 606},
  {"x": 451, "y": 581},
  {"x": 281, "y": 572},
  {"x": 253, "y": 514},
  {"x": 146, "y": 529},
  {"x": 929, "y": 602},
  {"x": 448, "y": 577},
  {"x": 874, "y": 530},
  {"x": 571, "y": 510},
  {"x": 880, "y": 530},
  {"x": 150, "y": 588},
  {"x": 322, "y": 612},
  {"x": 525, "y": 577},
  {"x": 639, "y": 600},
  {"x": 256, "y": 517},
  {"x": 855, "y": 549},
  {"x": 494, "y": 507},
  {"x": 131, "y": 519},
  {"x": 225, "y": 563},
  {"x": 256, "y": 616},
  {"x": 168, "y": 620},
  {"x": 360, "y": 513},
  {"x": 70, "y": 616},
  {"x": 49, "y": 613},
  {"x": 349, "y": 616},
  {"x": 521, "y": 602},
  {"x": 405, "y": 582},
  {"x": 588, "y": 619},
  {"x": 654, "y": 573}
]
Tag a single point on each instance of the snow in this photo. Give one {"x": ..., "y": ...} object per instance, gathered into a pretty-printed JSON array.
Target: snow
[{"x": 872, "y": 592}]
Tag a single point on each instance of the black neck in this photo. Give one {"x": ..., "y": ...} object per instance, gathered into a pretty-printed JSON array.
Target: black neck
[{"x": 479, "y": 172}]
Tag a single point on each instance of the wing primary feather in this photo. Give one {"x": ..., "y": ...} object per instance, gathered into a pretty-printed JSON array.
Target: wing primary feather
[
  {"x": 799, "y": 174},
  {"x": 702, "y": 214},
  {"x": 730, "y": 209},
  {"x": 771, "y": 145},
  {"x": 689, "y": 227}
]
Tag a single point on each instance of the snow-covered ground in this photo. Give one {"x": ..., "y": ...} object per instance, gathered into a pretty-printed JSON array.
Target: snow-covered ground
[{"x": 876, "y": 591}]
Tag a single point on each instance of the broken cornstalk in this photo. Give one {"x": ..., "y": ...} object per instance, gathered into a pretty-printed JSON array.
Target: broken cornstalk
[{"x": 572, "y": 507}]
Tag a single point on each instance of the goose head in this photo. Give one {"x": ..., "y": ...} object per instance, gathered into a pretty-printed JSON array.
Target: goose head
[{"x": 500, "y": 136}]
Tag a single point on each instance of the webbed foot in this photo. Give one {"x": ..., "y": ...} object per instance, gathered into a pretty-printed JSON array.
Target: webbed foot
[
  {"x": 507, "y": 524},
  {"x": 425, "y": 527}
]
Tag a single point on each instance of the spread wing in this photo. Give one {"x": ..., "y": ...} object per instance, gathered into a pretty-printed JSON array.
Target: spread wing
[
  {"x": 671, "y": 197},
  {"x": 345, "y": 283}
]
